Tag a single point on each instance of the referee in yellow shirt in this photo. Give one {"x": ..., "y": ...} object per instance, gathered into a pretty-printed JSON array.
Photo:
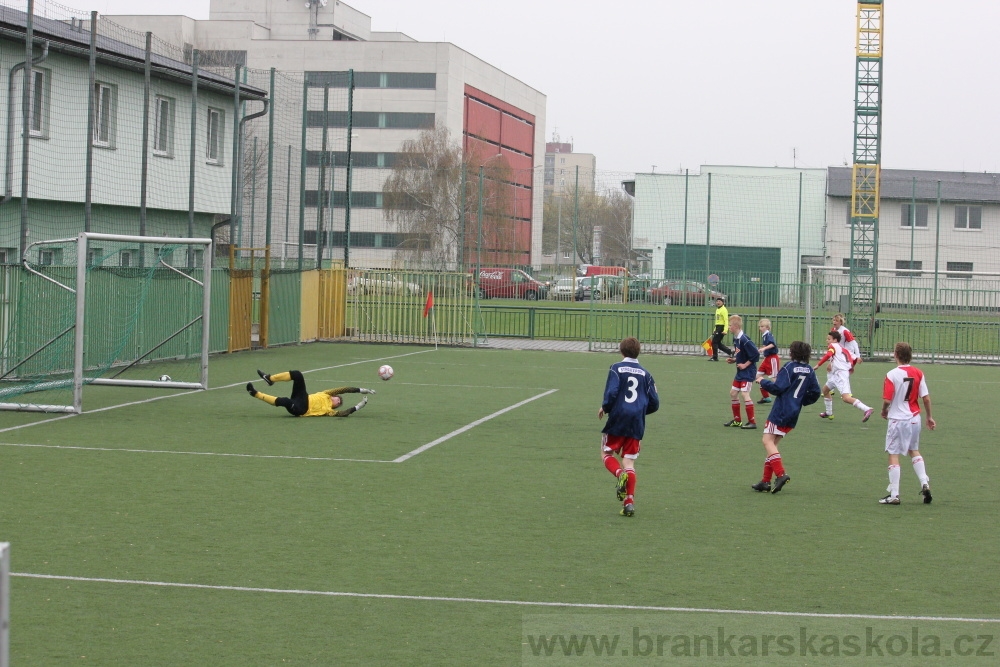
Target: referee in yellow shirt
[
  {"x": 721, "y": 329},
  {"x": 303, "y": 404}
]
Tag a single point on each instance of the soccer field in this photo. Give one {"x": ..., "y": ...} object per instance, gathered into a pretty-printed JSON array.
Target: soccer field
[{"x": 464, "y": 518}]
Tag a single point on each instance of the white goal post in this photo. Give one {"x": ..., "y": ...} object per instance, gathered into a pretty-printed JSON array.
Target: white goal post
[
  {"x": 80, "y": 369},
  {"x": 4, "y": 604}
]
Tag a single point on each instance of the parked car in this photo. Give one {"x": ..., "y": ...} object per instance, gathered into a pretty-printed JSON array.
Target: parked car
[
  {"x": 509, "y": 283},
  {"x": 594, "y": 286},
  {"x": 682, "y": 293},
  {"x": 564, "y": 289},
  {"x": 375, "y": 282},
  {"x": 638, "y": 288}
]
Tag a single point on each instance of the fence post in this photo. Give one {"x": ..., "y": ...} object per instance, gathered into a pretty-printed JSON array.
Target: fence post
[
  {"x": 26, "y": 123},
  {"x": 798, "y": 241},
  {"x": 350, "y": 167},
  {"x": 708, "y": 229},
  {"x": 576, "y": 218},
  {"x": 684, "y": 252},
  {"x": 321, "y": 182},
  {"x": 302, "y": 170},
  {"x": 194, "y": 150},
  {"x": 89, "y": 178},
  {"x": 235, "y": 199},
  {"x": 270, "y": 165},
  {"x": 144, "y": 169},
  {"x": 937, "y": 253}
]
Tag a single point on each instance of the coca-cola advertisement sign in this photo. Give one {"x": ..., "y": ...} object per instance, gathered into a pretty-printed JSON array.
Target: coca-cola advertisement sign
[{"x": 491, "y": 275}]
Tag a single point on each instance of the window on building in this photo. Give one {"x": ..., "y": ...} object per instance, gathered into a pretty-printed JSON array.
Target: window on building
[
  {"x": 163, "y": 127},
  {"x": 127, "y": 258},
  {"x": 859, "y": 263},
  {"x": 213, "y": 145},
  {"x": 968, "y": 217},
  {"x": 95, "y": 256},
  {"x": 196, "y": 257},
  {"x": 105, "y": 106},
  {"x": 39, "y": 114},
  {"x": 46, "y": 257},
  {"x": 960, "y": 266},
  {"x": 6, "y": 255},
  {"x": 907, "y": 264},
  {"x": 906, "y": 218}
]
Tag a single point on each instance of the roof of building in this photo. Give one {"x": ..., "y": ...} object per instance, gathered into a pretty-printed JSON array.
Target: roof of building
[
  {"x": 898, "y": 184},
  {"x": 74, "y": 39}
]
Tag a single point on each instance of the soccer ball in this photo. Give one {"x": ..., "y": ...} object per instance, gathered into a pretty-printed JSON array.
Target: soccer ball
[
  {"x": 164, "y": 378},
  {"x": 385, "y": 372}
]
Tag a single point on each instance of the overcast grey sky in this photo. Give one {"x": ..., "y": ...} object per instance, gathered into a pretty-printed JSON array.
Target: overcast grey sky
[{"x": 677, "y": 84}]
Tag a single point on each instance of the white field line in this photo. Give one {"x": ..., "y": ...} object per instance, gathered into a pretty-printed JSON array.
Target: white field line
[
  {"x": 467, "y": 427},
  {"x": 167, "y": 451},
  {"x": 187, "y": 393},
  {"x": 401, "y": 459},
  {"x": 520, "y": 603}
]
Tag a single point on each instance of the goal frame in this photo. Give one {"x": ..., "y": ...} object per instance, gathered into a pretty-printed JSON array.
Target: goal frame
[{"x": 79, "y": 378}]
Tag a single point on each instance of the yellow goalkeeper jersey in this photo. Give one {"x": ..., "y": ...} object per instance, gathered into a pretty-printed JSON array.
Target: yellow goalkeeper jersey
[{"x": 320, "y": 405}]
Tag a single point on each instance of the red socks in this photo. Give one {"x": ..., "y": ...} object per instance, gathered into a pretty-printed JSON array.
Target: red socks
[
  {"x": 763, "y": 393},
  {"x": 773, "y": 463},
  {"x": 630, "y": 486},
  {"x": 611, "y": 463},
  {"x": 736, "y": 411}
]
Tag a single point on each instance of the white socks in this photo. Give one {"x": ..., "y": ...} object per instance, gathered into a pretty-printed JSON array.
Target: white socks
[
  {"x": 828, "y": 404},
  {"x": 918, "y": 467},
  {"x": 859, "y": 405},
  {"x": 893, "y": 481}
]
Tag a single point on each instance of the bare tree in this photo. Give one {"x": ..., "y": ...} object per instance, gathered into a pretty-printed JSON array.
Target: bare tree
[
  {"x": 571, "y": 221},
  {"x": 424, "y": 197}
]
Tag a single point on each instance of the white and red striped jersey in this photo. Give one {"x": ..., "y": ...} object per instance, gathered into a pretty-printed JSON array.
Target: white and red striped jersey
[
  {"x": 848, "y": 341},
  {"x": 839, "y": 358},
  {"x": 904, "y": 386}
]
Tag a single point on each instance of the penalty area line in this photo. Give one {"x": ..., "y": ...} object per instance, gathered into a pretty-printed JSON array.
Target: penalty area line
[
  {"x": 468, "y": 427},
  {"x": 519, "y": 603},
  {"x": 168, "y": 451}
]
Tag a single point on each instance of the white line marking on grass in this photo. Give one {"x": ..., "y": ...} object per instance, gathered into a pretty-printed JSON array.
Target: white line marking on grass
[
  {"x": 168, "y": 451},
  {"x": 522, "y": 603},
  {"x": 468, "y": 427},
  {"x": 187, "y": 393}
]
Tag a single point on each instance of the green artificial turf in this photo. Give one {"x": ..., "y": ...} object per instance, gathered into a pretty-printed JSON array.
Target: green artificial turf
[{"x": 517, "y": 508}]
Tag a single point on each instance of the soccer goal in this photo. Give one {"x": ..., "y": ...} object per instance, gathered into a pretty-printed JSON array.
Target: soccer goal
[{"x": 106, "y": 309}]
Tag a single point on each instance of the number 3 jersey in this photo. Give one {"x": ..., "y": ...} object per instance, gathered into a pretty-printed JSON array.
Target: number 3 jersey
[
  {"x": 795, "y": 386},
  {"x": 903, "y": 387},
  {"x": 629, "y": 395}
]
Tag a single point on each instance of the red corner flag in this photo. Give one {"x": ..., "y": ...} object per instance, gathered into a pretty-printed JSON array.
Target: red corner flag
[{"x": 430, "y": 303}]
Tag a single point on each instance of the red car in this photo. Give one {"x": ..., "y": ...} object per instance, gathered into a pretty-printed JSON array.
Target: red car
[{"x": 682, "y": 293}]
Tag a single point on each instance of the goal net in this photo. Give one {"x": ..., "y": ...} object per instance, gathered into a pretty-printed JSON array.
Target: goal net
[{"x": 105, "y": 309}]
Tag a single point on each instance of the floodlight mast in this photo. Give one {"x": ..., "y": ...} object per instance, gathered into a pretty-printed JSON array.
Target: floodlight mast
[{"x": 866, "y": 172}]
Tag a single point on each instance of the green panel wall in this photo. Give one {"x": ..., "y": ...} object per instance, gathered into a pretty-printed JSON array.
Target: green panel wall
[{"x": 285, "y": 316}]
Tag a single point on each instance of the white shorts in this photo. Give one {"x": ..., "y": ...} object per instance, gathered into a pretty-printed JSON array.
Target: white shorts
[
  {"x": 839, "y": 380},
  {"x": 903, "y": 435},
  {"x": 774, "y": 429}
]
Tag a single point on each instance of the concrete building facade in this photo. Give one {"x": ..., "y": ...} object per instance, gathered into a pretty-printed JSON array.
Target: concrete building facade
[{"x": 402, "y": 87}]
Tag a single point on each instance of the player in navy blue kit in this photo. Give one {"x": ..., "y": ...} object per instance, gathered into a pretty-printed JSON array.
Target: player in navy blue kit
[
  {"x": 746, "y": 372},
  {"x": 795, "y": 386},
  {"x": 629, "y": 395}
]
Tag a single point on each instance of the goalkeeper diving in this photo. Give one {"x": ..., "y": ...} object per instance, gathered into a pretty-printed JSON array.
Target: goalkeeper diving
[{"x": 303, "y": 404}]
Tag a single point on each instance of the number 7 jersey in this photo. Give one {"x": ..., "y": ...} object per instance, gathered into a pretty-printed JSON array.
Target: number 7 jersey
[
  {"x": 904, "y": 386},
  {"x": 629, "y": 395}
]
